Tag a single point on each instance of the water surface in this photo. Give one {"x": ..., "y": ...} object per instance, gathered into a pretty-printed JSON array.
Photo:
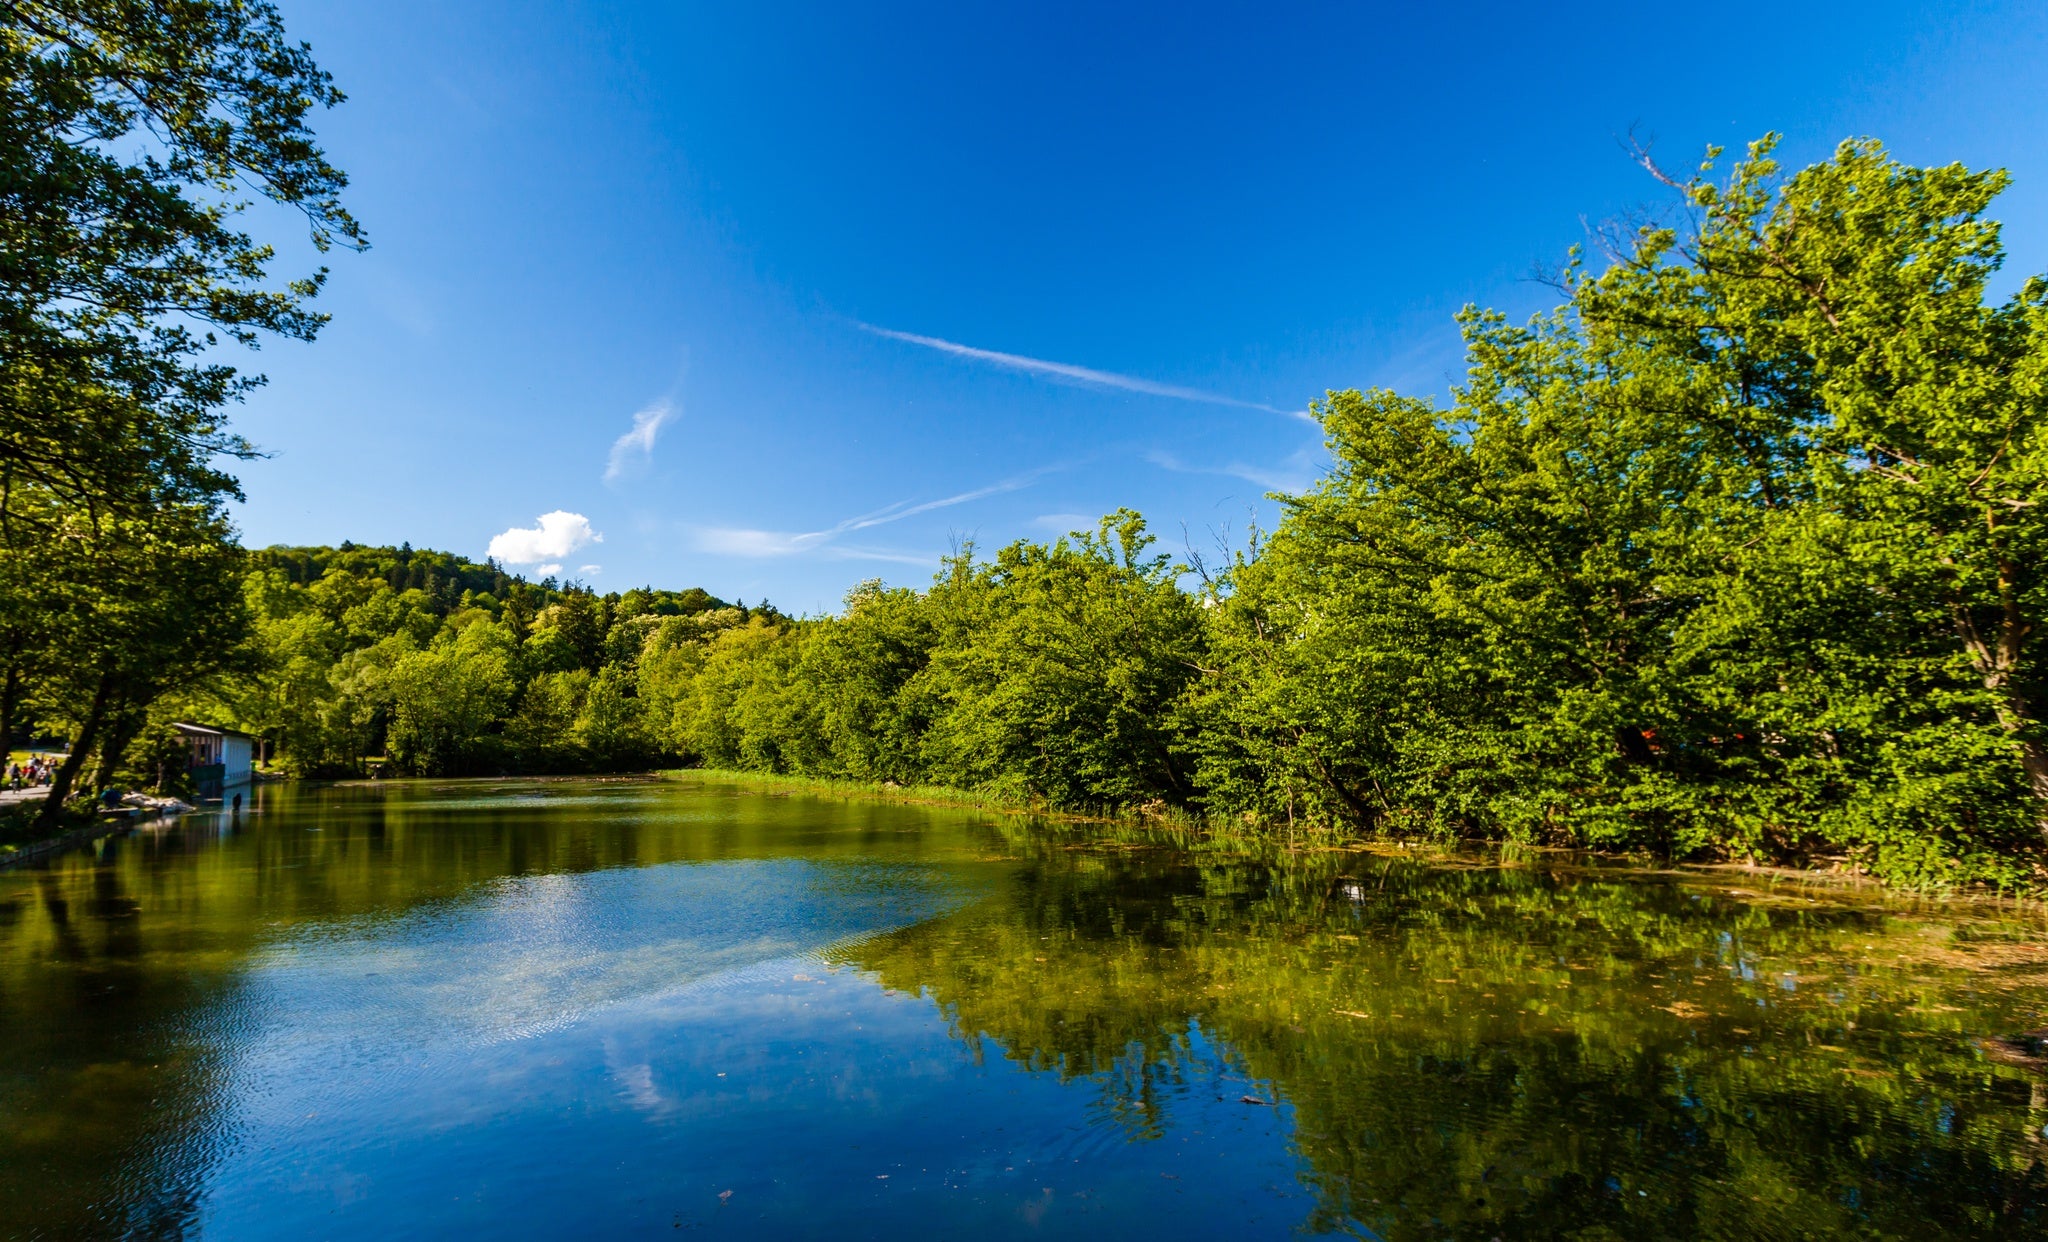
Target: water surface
[{"x": 630, "y": 1008}]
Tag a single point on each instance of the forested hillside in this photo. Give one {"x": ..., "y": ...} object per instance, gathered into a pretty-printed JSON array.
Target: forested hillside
[{"x": 430, "y": 663}]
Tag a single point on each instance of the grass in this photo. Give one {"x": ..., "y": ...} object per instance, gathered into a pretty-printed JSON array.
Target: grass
[{"x": 878, "y": 791}]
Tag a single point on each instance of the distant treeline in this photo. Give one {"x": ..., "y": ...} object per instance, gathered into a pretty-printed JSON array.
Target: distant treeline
[
  {"x": 1737, "y": 553},
  {"x": 431, "y": 663}
]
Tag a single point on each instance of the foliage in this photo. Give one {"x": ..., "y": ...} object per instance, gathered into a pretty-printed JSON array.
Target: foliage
[
  {"x": 1730, "y": 554},
  {"x": 439, "y": 665},
  {"x": 1053, "y": 672},
  {"x": 142, "y": 608},
  {"x": 133, "y": 132},
  {"x": 134, "y": 135}
]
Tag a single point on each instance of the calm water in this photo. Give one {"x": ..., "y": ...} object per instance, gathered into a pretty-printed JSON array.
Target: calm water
[{"x": 587, "y": 1008}]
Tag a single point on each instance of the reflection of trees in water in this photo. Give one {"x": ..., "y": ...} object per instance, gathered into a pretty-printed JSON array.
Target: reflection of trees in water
[
  {"x": 1514, "y": 1053},
  {"x": 111, "y": 1111}
]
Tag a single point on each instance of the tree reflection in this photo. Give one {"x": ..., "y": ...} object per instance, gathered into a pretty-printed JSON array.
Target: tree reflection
[{"x": 1482, "y": 1052}]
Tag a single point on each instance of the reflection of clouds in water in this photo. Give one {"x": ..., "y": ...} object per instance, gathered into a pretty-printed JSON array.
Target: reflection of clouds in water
[
  {"x": 372, "y": 1004},
  {"x": 541, "y": 951},
  {"x": 635, "y": 1081}
]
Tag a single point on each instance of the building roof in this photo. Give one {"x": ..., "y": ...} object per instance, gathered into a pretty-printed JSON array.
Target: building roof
[{"x": 200, "y": 730}]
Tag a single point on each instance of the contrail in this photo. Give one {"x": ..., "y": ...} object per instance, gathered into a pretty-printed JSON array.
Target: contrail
[
  {"x": 733, "y": 541},
  {"x": 1072, "y": 374}
]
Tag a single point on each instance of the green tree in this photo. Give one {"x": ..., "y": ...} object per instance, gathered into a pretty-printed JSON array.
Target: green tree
[
  {"x": 146, "y": 606},
  {"x": 1845, "y": 313},
  {"x": 132, "y": 136},
  {"x": 446, "y": 699},
  {"x": 609, "y": 724},
  {"x": 856, "y": 667},
  {"x": 1729, "y": 554},
  {"x": 1058, "y": 668},
  {"x": 133, "y": 131}
]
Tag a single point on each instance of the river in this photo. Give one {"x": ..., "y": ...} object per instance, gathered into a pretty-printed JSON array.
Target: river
[{"x": 601, "y": 1008}]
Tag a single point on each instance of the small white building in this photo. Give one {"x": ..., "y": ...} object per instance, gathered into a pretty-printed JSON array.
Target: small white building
[{"x": 222, "y": 759}]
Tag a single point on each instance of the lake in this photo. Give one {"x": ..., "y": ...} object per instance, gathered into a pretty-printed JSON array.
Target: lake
[{"x": 618, "y": 1008}]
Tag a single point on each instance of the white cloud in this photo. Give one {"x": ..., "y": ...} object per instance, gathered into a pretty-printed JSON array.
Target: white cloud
[
  {"x": 546, "y": 571},
  {"x": 1067, "y": 372},
  {"x": 555, "y": 535},
  {"x": 636, "y": 447},
  {"x": 592, "y": 570}
]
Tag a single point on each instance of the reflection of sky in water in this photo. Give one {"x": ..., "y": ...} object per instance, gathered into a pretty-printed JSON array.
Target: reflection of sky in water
[
  {"x": 533, "y": 952},
  {"x": 611, "y": 1051}
]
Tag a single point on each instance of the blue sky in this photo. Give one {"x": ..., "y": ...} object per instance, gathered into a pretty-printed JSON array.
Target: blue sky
[{"x": 770, "y": 299}]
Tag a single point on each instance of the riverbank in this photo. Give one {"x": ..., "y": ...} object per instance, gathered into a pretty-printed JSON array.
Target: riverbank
[
  {"x": 85, "y": 828},
  {"x": 1173, "y": 827},
  {"x": 883, "y": 791}
]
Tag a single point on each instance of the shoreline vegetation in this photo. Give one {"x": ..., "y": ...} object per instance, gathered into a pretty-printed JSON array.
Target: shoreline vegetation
[
  {"x": 1738, "y": 554},
  {"x": 1174, "y": 828}
]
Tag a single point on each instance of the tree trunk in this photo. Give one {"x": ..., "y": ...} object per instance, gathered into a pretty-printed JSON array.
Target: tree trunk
[
  {"x": 1345, "y": 794},
  {"x": 67, "y": 772},
  {"x": 2016, "y": 714},
  {"x": 10, "y": 702},
  {"x": 2033, "y": 755},
  {"x": 1998, "y": 664},
  {"x": 119, "y": 735}
]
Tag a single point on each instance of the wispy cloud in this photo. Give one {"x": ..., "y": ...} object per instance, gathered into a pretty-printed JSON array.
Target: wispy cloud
[
  {"x": 1066, "y": 372},
  {"x": 742, "y": 541},
  {"x": 636, "y": 447},
  {"x": 766, "y": 544},
  {"x": 1296, "y": 476},
  {"x": 880, "y": 554}
]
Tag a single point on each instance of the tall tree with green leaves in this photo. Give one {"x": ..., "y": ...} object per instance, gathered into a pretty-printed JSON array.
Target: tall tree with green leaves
[
  {"x": 142, "y": 607},
  {"x": 1736, "y": 551},
  {"x": 1845, "y": 315},
  {"x": 133, "y": 137}
]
